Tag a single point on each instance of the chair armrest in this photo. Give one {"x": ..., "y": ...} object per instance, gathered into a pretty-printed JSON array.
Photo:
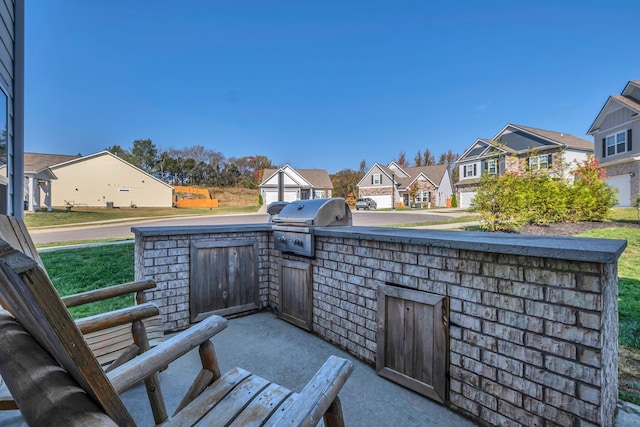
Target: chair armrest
[
  {"x": 164, "y": 353},
  {"x": 316, "y": 397},
  {"x": 108, "y": 292},
  {"x": 119, "y": 317}
]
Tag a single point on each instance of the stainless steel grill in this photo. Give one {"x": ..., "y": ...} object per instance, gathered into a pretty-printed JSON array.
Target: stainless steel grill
[{"x": 294, "y": 222}]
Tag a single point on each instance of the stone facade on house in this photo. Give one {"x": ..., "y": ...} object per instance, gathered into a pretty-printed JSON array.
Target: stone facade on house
[{"x": 532, "y": 322}]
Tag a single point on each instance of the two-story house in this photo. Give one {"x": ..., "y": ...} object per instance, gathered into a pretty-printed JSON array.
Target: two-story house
[
  {"x": 393, "y": 185},
  {"x": 612, "y": 131},
  {"x": 519, "y": 148}
]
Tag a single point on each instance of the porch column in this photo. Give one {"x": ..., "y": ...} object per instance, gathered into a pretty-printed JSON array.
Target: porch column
[
  {"x": 30, "y": 192},
  {"x": 46, "y": 187}
]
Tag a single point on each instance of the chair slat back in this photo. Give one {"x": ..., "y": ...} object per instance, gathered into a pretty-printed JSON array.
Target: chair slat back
[
  {"x": 27, "y": 293},
  {"x": 14, "y": 231}
]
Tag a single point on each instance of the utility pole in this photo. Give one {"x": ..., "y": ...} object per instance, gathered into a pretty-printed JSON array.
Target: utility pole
[{"x": 393, "y": 191}]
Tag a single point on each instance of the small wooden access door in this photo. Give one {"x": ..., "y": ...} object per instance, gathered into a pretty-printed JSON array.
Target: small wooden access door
[
  {"x": 296, "y": 293},
  {"x": 224, "y": 277},
  {"x": 413, "y": 345}
]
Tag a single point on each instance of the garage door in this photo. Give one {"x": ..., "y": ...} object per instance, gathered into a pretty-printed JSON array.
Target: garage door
[
  {"x": 623, "y": 184},
  {"x": 466, "y": 197},
  {"x": 272, "y": 196}
]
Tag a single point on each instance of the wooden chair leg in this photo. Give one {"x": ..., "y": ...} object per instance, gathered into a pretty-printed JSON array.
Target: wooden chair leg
[
  {"x": 333, "y": 416},
  {"x": 152, "y": 383},
  {"x": 209, "y": 373}
]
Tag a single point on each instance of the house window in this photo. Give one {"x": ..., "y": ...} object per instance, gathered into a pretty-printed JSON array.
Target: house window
[
  {"x": 423, "y": 196},
  {"x": 616, "y": 143},
  {"x": 376, "y": 179},
  {"x": 492, "y": 167},
  {"x": 539, "y": 162},
  {"x": 469, "y": 170}
]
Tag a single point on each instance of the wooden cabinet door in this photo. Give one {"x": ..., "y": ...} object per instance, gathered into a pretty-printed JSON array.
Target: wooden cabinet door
[
  {"x": 413, "y": 345},
  {"x": 296, "y": 293},
  {"x": 224, "y": 277}
]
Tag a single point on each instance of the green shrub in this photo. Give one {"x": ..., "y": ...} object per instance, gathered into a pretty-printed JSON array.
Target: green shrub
[
  {"x": 454, "y": 201},
  {"x": 591, "y": 197},
  {"x": 260, "y": 199},
  {"x": 507, "y": 202},
  {"x": 501, "y": 202}
]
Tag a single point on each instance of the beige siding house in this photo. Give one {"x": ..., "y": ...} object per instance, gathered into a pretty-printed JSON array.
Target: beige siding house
[
  {"x": 38, "y": 177},
  {"x": 104, "y": 179}
]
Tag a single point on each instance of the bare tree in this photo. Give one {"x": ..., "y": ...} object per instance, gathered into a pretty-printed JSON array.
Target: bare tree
[{"x": 402, "y": 160}]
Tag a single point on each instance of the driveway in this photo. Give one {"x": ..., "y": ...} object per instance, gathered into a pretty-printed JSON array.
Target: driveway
[{"x": 123, "y": 229}]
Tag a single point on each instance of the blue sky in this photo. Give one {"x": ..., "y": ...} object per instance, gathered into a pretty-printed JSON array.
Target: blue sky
[{"x": 318, "y": 84}]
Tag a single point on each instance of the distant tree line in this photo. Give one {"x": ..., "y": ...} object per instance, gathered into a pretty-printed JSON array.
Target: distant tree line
[
  {"x": 200, "y": 166},
  {"x": 195, "y": 165}
]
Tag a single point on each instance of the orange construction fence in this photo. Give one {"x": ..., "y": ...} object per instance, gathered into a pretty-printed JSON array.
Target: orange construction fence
[
  {"x": 202, "y": 197},
  {"x": 196, "y": 203}
]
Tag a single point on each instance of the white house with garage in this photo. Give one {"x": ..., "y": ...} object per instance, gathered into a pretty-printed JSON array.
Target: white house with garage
[{"x": 298, "y": 184}]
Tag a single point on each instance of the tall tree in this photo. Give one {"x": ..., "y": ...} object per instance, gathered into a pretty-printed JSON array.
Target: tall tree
[
  {"x": 123, "y": 153},
  {"x": 345, "y": 182},
  {"x": 418, "y": 159},
  {"x": 363, "y": 166},
  {"x": 144, "y": 155},
  {"x": 428, "y": 159}
]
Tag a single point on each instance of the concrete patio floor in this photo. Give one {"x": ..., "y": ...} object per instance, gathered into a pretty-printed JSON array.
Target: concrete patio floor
[{"x": 278, "y": 351}]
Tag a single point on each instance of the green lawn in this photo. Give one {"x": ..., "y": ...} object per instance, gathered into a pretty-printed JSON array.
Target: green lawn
[
  {"x": 79, "y": 215},
  {"x": 85, "y": 269},
  {"x": 629, "y": 283}
]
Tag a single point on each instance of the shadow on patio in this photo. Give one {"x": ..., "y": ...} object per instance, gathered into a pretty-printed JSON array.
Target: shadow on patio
[{"x": 274, "y": 349}]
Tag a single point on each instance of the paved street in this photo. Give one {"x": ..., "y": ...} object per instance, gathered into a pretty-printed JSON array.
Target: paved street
[{"x": 123, "y": 229}]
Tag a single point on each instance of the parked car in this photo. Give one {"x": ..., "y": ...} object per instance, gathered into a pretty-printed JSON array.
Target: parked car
[{"x": 366, "y": 203}]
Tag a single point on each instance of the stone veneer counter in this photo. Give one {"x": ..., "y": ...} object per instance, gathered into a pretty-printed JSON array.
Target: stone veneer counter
[{"x": 531, "y": 320}]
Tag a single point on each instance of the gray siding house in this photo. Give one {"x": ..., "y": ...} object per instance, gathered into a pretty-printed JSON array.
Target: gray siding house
[
  {"x": 12, "y": 107},
  {"x": 518, "y": 148},
  {"x": 613, "y": 131}
]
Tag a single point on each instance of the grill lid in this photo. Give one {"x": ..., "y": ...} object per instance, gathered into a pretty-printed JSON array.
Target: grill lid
[{"x": 315, "y": 212}]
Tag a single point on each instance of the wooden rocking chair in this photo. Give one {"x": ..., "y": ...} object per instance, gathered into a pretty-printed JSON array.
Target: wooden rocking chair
[
  {"x": 111, "y": 342},
  {"x": 56, "y": 380}
]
